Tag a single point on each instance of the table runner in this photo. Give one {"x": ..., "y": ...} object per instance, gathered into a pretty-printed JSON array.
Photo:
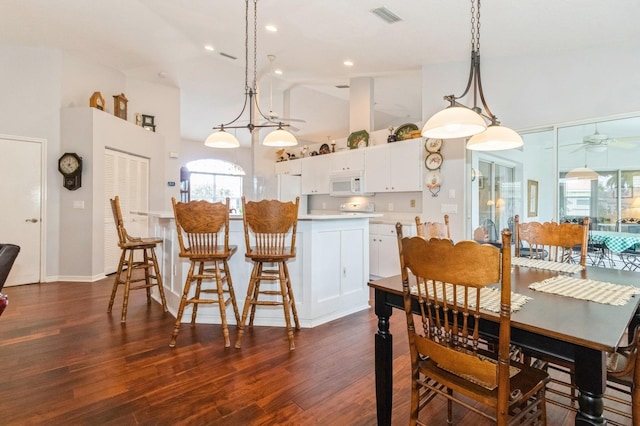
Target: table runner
[
  {"x": 584, "y": 289},
  {"x": 571, "y": 268},
  {"x": 490, "y": 297}
]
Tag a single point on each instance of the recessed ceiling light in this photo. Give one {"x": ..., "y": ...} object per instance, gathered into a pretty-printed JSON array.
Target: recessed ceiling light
[
  {"x": 271, "y": 28},
  {"x": 209, "y": 47},
  {"x": 278, "y": 71},
  {"x": 348, "y": 63}
]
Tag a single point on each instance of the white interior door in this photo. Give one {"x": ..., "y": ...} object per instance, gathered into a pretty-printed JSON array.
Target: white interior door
[{"x": 21, "y": 162}]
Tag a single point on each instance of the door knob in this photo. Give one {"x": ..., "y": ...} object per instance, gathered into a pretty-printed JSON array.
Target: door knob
[{"x": 32, "y": 220}]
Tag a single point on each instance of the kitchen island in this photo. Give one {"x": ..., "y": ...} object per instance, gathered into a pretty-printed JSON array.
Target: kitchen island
[{"x": 329, "y": 275}]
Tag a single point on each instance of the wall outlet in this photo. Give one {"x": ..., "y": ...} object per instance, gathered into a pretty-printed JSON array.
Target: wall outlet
[
  {"x": 390, "y": 207},
  {"x": 412, "y": 203}
]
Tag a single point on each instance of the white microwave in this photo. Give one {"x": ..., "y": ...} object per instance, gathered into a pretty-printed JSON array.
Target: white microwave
[{"x": 346, "y": 183}]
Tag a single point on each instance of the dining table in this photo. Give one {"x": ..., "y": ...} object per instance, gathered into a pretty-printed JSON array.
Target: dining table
[
  {"x": 617, "y": 242},
  {"x": 566, "y": 328}
]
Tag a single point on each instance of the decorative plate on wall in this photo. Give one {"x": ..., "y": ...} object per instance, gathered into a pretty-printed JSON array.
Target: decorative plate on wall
[
  {"x": 359, "y": 139},
  {"x": 433, "y": 145},
  {"x": 433, "y": 161},
  {"x": 403, "y": 131}
]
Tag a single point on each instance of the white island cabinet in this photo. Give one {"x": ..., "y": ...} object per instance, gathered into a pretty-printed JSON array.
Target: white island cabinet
[{"x": 329, "y": 275}]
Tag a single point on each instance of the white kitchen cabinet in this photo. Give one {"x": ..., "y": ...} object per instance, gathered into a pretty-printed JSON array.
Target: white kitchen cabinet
[
  {"x": 394, "y": 167},
  {"x": 291, "y": 167},
  {"x": 352, "y": 159},
  {"x": 384, "y": 260},
  {"x": 315, "y": 174}
]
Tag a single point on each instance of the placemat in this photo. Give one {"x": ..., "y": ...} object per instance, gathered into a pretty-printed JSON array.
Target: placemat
[
  {"x": 571, "y": 268},
  {"x": 595, "y": 291},
  {"x": 489, "y": 296}
]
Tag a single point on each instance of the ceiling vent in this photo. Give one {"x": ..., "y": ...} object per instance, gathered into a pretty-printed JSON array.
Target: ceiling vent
[
  {"x": 342, "y": 86},
  {"x": 386, "y": 15},
  {"x": 226, "y": 55}
]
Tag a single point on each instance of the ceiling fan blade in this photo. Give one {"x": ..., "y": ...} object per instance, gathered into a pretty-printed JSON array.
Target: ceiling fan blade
[
  {"x": 628, "y": 139},
  {"x": 578, "y": 148},
  {"x": 296, "y": 120},
  {"x": 619, "y": 144}
]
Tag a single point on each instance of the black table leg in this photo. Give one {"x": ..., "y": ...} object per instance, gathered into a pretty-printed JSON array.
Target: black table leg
[
  {"x": 383, "y": 360},
  {"x": 591, "y": 379}
]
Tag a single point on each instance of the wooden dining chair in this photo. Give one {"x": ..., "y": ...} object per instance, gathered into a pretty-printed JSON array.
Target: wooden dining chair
[
  {"x": 623, "y": 376},
  {"x": 449, "y": 283},
  {"x": 430, "y": 230},
  {"x": 551, "y": 241},
  {"x": 138, "y": 254},
  {"x": 270, "y": 235},
  {"x": 203, "y": 236},
  {"x": 563, "y": 243}
]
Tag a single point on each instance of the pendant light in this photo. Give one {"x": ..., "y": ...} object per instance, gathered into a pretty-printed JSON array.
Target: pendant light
[
  {"x": 582, "y": 172},
  {"x": 461, "y": 121},
  {"x": 223, "y": 139}
]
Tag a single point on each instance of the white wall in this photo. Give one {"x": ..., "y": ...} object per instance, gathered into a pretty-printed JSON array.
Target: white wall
[
  {"x": 36, "y": 83},
  {"x": 30, "y": 83}
]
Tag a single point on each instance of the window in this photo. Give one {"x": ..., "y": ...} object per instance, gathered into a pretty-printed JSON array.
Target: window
[
  {"x": 613, "y": 196},
  {"x": 215, "y": 180}
]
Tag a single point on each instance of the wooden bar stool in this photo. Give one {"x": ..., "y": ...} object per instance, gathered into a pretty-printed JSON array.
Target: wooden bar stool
[
  {"x": 203, "y": 235},
  {"x": 270, "y": 236},
  {"x": 130, "y": 262}
]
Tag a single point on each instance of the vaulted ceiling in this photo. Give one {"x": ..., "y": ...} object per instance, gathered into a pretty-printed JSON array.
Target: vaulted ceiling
[{"x": 163, "y": 41}]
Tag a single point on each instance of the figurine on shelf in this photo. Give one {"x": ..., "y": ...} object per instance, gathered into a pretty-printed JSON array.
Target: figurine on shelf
[
  {"x": 392, "y": 137},
  {"x": 304, "y": 151},
  {"x": 281, "y": 155}
]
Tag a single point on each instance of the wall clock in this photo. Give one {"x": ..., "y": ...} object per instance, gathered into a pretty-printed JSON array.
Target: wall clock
[
  {"x": 97, "y": 101},
  {"x": 120, "y": 106},
  {"x": 70, "y": 165},
  {"x": 433, "y": 161}
]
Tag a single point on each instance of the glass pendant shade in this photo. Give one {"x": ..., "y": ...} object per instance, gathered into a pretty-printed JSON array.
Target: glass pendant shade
[
  {"x": 454, "y": 122},
  {"x": 582, "y": 173},
  {"x": 222, "y": 139},
  {"x": 495, "y": 138},
  {"x": 280, "y": 137}
]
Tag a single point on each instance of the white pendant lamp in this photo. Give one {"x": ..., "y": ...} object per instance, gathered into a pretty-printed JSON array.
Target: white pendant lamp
[
  {"x": 582, "y": 172},
  {"x": 222, "y": 139},
  {"x": 461, "y": 121},
  {"x": 453, "y": 122},
  {"x": 495, "y": 138},
  {"x": 280, "y": 137}
]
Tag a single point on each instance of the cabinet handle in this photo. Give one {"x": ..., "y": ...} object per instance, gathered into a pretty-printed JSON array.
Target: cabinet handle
[{"x": 32, "y": 220}]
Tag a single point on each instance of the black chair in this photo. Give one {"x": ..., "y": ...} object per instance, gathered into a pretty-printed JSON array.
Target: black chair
[{"x": 8, "y": 254}]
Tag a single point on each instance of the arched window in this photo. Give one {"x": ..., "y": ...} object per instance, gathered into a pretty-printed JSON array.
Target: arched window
[{"x": 214, "y": 180}]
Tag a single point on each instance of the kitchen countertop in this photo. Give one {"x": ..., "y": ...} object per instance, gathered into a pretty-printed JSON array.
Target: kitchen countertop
[{"x": 330, "y": 216}]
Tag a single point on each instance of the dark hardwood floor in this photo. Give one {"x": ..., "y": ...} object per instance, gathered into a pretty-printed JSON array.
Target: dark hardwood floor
[{"x": 66, "y": 361}]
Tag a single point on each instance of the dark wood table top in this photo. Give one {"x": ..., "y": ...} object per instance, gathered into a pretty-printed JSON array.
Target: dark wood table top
[{"x": 584, "y": 323}]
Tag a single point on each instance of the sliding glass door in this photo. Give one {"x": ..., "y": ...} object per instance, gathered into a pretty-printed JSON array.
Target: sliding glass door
[{"x": 498, "y": 195}]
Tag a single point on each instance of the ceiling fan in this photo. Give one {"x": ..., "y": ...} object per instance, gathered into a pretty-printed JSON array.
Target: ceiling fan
[
  {"x": 599, "y": 142},
  {"x": 273, "y": 116}
]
